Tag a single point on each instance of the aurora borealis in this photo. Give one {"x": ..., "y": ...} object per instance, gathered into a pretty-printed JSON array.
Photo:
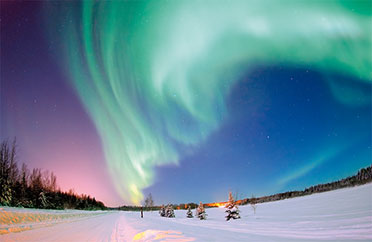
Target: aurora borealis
[{"x": 159, "y": 80}]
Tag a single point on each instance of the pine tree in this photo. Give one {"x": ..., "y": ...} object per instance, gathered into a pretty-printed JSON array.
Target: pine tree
[
  {"x": 5, "y": 174},
  {"x": 189, "y": 213},
  {"x": 43, "y": 200},
  {"x": 169, "y": 212},
  {"x": 162, "y": 211},
  {"x": 200, "y": 212},
  {"x": 6, "y": 192},
  {"x": 232, "y": 209}
]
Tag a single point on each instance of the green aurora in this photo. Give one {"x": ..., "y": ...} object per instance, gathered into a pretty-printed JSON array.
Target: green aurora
[{"x": 154, "y": 75}]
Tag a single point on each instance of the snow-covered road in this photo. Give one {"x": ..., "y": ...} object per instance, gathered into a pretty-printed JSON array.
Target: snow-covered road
[
  {"x": 341, "y": 215},
  {"x": 106, "y": 226}
]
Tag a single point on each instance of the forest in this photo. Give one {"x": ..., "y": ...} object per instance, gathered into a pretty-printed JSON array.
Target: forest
[{"x": 36, "y": 188}]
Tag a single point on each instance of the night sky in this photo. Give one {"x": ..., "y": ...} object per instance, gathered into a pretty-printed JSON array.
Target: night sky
[{"x": 188, "y": 99}]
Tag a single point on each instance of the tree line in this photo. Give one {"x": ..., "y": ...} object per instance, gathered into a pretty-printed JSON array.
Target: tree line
[
  {"x": 21, "y": 187},
  {"x": 363, "y": 176}
]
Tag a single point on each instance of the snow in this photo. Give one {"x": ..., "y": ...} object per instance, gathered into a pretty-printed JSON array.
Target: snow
[{"x": 340, "y": 215}]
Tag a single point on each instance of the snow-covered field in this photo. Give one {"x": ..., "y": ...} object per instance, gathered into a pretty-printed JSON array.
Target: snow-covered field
[{"x": 341, "y": 215}]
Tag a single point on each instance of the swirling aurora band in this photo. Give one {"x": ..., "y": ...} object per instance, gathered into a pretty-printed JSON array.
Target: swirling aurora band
[{"x": 154, "y": 75}]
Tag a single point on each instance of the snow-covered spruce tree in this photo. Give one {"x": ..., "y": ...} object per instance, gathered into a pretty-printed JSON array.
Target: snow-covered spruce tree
[
  {"x": 6, "y": 192},
  {"x": 200, "y": 212},
  {"x": 189, "y": 213},
  {"x": 162, "y": 211},
  {"x": 43, "y": 200},
  {"x": 231, "y": 209},
  {"x": 5, "y": 181},
  {"x": 169, "y": 212}
]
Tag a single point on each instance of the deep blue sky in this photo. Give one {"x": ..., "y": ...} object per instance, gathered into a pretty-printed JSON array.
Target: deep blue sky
[
  {"x": 284, "y": 130},
  {"x": 281, "y": 119}
]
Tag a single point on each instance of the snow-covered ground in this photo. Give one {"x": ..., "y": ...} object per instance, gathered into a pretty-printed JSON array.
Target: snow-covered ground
[{"x": 341, "y": 215}]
